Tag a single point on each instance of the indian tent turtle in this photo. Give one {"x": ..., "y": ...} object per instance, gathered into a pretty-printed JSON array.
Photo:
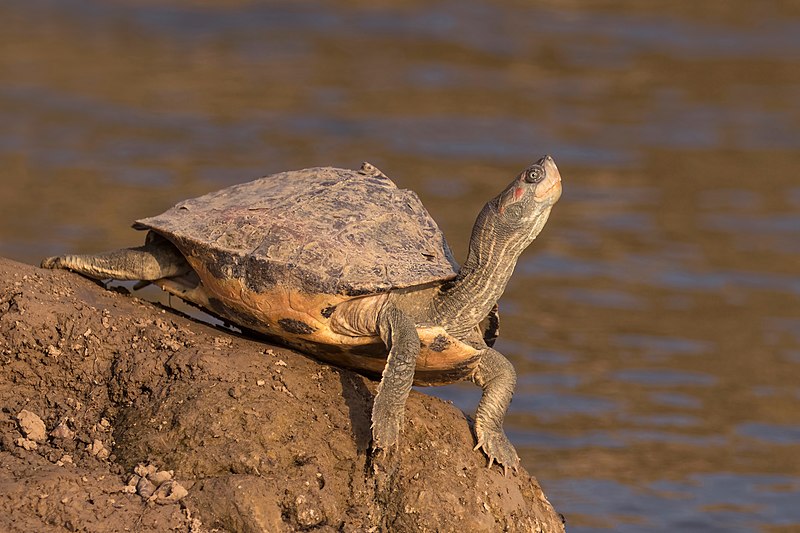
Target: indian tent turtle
[{"x": 351, "y": 269}]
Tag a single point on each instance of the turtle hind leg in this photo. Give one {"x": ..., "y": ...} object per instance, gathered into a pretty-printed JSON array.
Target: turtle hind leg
[
  {"x": 497, "y": 378},
  {"x": 157, "y": 258}
]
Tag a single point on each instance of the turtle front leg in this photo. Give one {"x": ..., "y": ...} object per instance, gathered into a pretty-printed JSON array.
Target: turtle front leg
[
  {"x": 399, "y": 333},
  {"x": 496, "y": 376}
]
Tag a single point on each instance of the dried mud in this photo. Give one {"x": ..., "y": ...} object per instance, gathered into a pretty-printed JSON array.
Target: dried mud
[{"x": 136, "y": 403}]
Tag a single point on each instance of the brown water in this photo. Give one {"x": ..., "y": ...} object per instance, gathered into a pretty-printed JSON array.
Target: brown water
[{"x": 655, "y": 324}]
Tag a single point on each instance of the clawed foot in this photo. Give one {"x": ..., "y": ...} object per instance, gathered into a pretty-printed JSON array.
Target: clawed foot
[
  {"x": 497, "y": 448},
  {"x": 386, "y": 431}
]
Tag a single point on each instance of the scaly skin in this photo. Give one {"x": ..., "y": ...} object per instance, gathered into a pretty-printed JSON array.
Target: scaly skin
[
  {"x": 497, "y": 378},
  {"x": 399, "y": 333},
  {"x": 502, "y": 231},
  {"x": 156, "y": 259}
]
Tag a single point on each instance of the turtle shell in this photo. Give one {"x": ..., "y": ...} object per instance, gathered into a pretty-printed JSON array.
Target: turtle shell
[{"x": 318, "y": 230}]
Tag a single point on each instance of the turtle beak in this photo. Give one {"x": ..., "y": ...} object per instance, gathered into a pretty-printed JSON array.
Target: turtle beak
[{"x": 549, "y": 188}]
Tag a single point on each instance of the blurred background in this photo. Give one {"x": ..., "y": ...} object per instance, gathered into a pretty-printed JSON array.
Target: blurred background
[{"x": 655, "y": 324}]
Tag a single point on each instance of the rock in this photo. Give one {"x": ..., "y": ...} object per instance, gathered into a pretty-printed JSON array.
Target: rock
[
  {"x": 253, "y": 457},
  {"x": 155, "y": 485},
  {"x": 133, "y": 482},
  {"x": 145, "y": 470},
  {"x": 26, "y": 444},
  {"x": 98, "y": 449},
  {"x": 32, "y": 426},
  {"x": 308, "y": 513},
  {"x": 145, "y": 488},
  {"x": 169, "y": 492},
  {"x": 157, "y": 478},
  {"x": 62, "y": 431}
]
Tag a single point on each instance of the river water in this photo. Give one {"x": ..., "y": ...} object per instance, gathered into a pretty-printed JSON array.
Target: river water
[{"x": 655, "y": 324}]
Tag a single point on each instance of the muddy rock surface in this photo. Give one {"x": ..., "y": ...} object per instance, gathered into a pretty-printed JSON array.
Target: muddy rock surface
[{"x": 118, "y": 415}]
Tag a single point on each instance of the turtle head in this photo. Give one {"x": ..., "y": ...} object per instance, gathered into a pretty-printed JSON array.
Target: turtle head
[
  {"x": 511, "y": 221},
  {"x": 504, "y": 228},
  {"x": 530, "y": 196}
]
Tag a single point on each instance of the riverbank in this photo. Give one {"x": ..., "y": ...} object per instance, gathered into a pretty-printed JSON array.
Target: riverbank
[{"x": 118, "y": 415}]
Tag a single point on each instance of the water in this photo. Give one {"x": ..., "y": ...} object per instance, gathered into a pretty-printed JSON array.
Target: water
[{"x": 655, "y": 324}]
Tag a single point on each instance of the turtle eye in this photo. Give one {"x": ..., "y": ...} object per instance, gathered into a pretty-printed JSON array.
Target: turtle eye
[{"x": 535, "y": 174}]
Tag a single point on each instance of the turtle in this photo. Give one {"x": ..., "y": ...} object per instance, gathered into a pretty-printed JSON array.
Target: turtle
[{"x": 352, "y": 270}]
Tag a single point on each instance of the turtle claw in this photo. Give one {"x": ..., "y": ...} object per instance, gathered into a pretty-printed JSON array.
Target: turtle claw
[
  {"x": 386, "y": 431},
  {"x": 498, "y": 449}
]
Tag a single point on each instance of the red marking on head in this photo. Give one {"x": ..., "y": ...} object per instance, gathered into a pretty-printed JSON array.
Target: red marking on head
[{"x": 519, "y": 192}]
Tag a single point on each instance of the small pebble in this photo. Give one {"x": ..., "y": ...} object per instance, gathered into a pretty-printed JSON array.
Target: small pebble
[
  {"x": 160, "y": 477},
  {"x": 143, "y": 470},
  {"x": 26, "y": 443},
  {"x": 169, "y": 492},
  {"x": 32, "y": 426},
  {"x": 62, "y": 431},
  {"x": 145, "y": 488},
  {"x": 97, "y": 449}
]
